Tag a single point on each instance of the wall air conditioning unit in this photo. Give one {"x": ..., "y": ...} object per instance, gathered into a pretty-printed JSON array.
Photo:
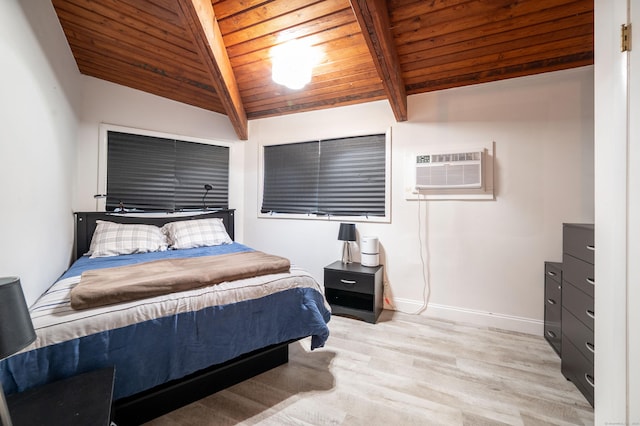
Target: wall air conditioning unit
[{"x": 450, "y": 171}]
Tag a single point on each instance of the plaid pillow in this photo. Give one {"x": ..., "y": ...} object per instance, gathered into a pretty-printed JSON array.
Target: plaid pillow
[
  {"x": 196, "y": 233},
  {"x": 113, "y": 239}
]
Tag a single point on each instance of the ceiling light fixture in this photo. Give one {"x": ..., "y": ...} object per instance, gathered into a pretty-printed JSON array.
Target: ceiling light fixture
[{"x": 292, "y": 63}]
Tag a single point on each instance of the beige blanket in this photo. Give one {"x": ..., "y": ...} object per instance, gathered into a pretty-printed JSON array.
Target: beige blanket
[{"x": 114, "y": 285}]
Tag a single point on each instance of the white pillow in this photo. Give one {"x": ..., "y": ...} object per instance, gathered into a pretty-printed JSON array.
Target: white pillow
[
  {"x": 113, "y": 239},
  {"x": 196, "y": 233}
]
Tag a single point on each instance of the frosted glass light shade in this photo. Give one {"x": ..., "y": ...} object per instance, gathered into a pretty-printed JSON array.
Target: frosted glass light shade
[{"x": 292, "y": 64}]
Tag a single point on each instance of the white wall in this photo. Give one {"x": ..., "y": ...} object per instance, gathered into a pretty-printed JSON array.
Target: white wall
[
  {"x": 483, "y": 259},
  {"x": 38, "y": 98},
  {"x": 104, "y": 102}
]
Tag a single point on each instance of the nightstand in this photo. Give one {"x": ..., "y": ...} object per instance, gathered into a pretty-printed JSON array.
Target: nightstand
[
  {"x": 84, "y": 399},
  {"x": 354, "y": 290}
]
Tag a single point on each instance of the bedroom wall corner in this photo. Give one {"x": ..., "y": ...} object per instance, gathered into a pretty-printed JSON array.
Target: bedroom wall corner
[{"x": 38, "y": 106}]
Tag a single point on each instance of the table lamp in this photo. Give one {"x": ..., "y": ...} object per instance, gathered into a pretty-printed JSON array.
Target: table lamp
[
  {"x": 347, "y": 233},
  {"x": 207, "y": 188},
  {"x": 16, "y": 329}
]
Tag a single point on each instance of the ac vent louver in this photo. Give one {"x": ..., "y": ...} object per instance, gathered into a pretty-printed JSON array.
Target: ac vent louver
[{"x": 452, "y": 170}]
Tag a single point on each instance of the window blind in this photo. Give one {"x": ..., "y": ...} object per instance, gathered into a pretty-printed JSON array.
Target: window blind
[
  {"x": 338, "y": 177},
  {"x": 291, "y": 178},
  {"x": 152, "y": 173},
  {"x": 352, "y": 176}
]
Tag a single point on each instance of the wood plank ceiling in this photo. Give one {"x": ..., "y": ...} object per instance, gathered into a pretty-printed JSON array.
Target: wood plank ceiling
[{"x": 215, "y": 54}]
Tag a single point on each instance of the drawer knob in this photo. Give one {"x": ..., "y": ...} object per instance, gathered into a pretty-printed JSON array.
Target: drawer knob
[
  {"x": 589, "y": 380},
  {"x": 551, "y": 334},
  {"x": 590, "y": 247},
  {"x": 590, "y": 347},
  {"x": 591, "y": 281},
  {"x": 551, "y": 301},
  {"x": 590, "y": 314},
  {"x": 551, "y": 274},
  {"x": 348, "y": 282}
]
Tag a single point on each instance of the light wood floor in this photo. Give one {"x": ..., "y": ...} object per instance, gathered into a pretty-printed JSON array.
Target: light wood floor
[{"x": 404, "y": 370}]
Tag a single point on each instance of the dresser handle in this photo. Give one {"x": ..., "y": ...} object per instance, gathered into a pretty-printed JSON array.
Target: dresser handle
[
  {"x": 348, "y": 282},
  {"x": 592, "y": 248},
  {"x": 590, "y": 313},
  {"x": 551, "y": 301},
  {"x": 589, "y": 380},
  {"x": 551, "y": 334},
  {"x": 590, "y": 347},
  {"x": 591, "y": 281},
  {"x": 551, "y": 273}
]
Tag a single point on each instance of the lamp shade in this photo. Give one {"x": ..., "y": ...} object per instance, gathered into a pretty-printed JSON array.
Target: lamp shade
[
  {"x": 347, "y": 232},
  {"x": 16, "y": 328}
]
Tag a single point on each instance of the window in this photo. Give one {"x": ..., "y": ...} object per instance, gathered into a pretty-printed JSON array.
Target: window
[
  {"x": 334, "y": 177},
  {"x": 154, "y": 173}
]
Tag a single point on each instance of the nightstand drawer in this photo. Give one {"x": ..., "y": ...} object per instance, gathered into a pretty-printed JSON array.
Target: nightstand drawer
[{"x": 349, "y": 281}]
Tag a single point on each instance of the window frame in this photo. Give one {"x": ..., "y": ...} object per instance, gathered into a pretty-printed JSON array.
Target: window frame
[
  {"x": 373, "y": 219},
  {"x": 104, "y": 129}
]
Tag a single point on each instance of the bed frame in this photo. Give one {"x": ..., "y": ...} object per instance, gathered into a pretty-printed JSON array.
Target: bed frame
[{"x": 146, "y": 405}]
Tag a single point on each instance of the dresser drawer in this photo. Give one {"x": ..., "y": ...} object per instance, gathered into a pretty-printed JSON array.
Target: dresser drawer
[
  {"x": 579, "y": 304},
  {"x": 579, "y": 334},
  {"x": 577, "y": 240},
  {"x": 578, "y": 369},
  {"x": 351, "y": 281},
  {"x": 552, "y": 329},
  {"x": 552, "y": 294},
  {"x": 553, "y": 271},
  {"x": 578, "y": 273}
]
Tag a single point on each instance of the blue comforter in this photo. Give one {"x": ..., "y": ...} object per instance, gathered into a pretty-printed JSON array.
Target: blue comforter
[{"x": 171, "y": 346}]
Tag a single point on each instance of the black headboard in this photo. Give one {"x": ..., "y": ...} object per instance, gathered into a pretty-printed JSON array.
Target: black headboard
[{"x": 86, "y": 223}]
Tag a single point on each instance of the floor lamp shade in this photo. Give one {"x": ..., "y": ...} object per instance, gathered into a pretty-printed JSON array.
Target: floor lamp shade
[{"x": 16, "y": 328}]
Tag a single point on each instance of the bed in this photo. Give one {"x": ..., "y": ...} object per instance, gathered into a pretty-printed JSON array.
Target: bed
[{"x": 174, "y": 347}]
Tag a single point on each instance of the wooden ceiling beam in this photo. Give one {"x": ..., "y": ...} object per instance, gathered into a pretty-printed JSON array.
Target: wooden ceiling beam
[
  {"x": 373, "y": 17},
  {"x": 202, "y": 22}
]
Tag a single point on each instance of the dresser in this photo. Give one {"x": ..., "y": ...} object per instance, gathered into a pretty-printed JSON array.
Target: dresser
[
  {"x": 577, "y": 317},
  {"x": 553, "y": 305}
]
